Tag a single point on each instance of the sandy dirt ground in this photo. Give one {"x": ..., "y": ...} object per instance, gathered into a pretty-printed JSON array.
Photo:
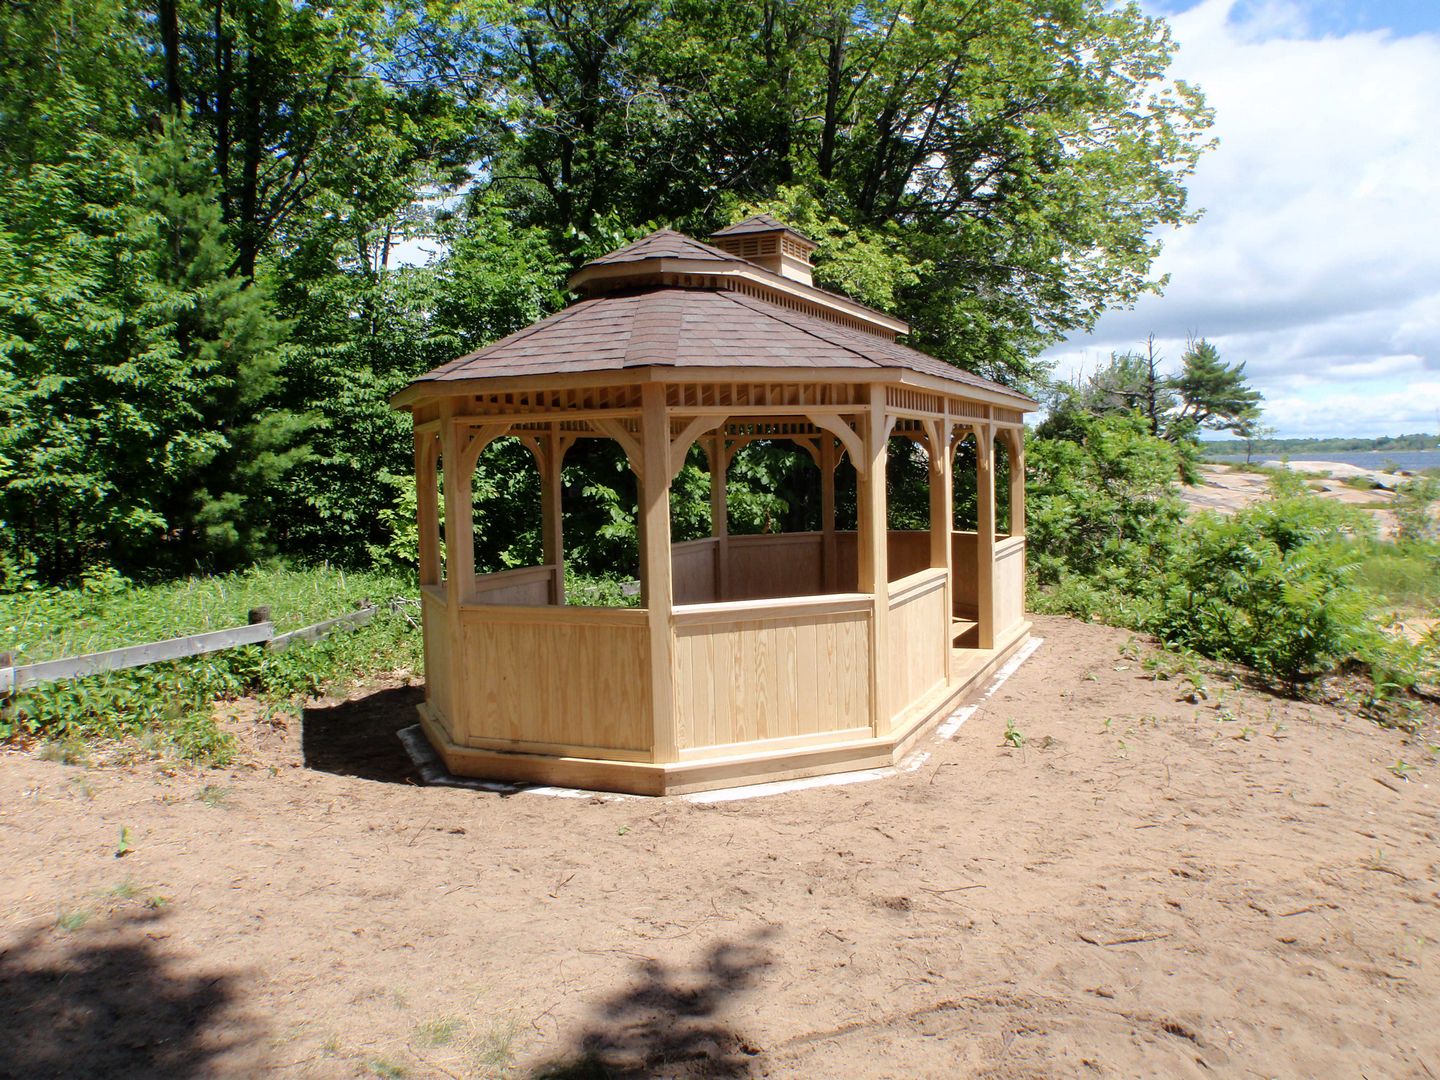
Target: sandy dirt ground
[{"x": 1235, "y": 885}]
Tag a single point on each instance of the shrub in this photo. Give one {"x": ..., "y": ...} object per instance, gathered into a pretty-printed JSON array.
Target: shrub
[{"x": 1270, "y": 587}]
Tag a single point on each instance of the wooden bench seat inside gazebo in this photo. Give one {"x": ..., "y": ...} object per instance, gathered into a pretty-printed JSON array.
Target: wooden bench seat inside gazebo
[{"x": 750, "y": 658}]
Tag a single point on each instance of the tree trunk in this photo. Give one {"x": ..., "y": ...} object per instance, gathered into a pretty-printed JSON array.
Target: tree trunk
[{"x": 170, "y": 41}]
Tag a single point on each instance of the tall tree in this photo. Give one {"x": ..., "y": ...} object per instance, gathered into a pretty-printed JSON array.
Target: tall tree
[
  {"x": 1018, "y": 154},
  {"x": 1214, "y": 395}
]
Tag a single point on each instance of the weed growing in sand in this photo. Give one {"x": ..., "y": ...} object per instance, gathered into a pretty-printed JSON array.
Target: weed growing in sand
[
  {"x": 155, "y": 903},
  {"x": 214, "y": 796},
  {"x": 439, "y": 1032},
  {"x": 1401, "y": 770},
  {"x": 492, "y": 1053},
  {"x": 383, "y": 1068},
  {"x": 1013, "y": 736},
  {"x": 331, "y": 1046},
  {"x": 69, "y": 750},
  {"x": 81, "y": 787},
  {"x": 1124, "y": 750},
  {"x": 124, "y": 847},
  {"x": 126, "y": 890},
  {"x": 71, "y": 920}
]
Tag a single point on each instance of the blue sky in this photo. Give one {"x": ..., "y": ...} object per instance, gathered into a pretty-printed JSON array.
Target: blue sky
[{"x": 1317, "y": 261}]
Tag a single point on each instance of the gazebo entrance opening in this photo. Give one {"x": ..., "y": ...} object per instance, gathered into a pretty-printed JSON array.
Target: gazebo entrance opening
[{"x": 751, "y": 656}]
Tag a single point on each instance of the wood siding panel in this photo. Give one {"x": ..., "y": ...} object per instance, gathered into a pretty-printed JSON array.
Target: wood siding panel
[
  {"x": 966, "y": 584},
  {"x": 527, "y": 586},
  {"x": 918, "y": 639},
  {"x": 1009, "y": 583},
  {"x": 693, "y": 571},
  {"x": 768, "y": 566},
  {"x": 439, "y": 674},
  {"x": 582, "y": 682},
  {"x": 772, "y": 678},
  {"x": 908, "y": 552}
]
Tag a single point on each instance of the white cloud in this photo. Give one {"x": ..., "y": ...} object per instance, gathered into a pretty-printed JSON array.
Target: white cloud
[{"x": 1318, "y": 259}]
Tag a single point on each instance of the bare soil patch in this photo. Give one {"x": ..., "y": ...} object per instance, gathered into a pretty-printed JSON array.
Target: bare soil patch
[{"x": 1238, "y": 885}]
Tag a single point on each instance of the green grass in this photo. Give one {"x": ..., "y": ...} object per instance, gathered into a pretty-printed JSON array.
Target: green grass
[
  {"x": 169, "y": 707},
  {"x": 108, "y": 612},
  {"x": 1405, "y": 576}
]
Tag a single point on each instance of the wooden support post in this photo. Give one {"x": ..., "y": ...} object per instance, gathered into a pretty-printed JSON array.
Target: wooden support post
[
  {"x": 985, "y": 533},
  {"x": 942, "y": 520},
  {"x": 828, "y": 557},
  {"x": 551, "y": 514},
  {"x": 1017, "y": 483},
  {"x": 718, "y": 456},
  {"x": 427, "y": 516},
  {"x": 655, "y": 572},
  {"x": 873, "y": 553},
  {"x": 459, "y": 514}
]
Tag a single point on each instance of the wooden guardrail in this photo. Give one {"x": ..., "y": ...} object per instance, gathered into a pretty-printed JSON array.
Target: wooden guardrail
[{"x": 260, "y": 630}]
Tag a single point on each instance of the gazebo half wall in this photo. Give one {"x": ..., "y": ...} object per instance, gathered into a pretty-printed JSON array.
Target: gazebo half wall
[{"x": 750, "y": 658}]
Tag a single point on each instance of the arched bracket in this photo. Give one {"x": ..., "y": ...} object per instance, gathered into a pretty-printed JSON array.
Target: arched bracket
[
  {"x": 543, "y": 446},
  {"x": 680, "y": 445},
  {"x": 848, "y": 436},
  {"x": 475, "y": 442},
  {"x": 627, "y": 440}
]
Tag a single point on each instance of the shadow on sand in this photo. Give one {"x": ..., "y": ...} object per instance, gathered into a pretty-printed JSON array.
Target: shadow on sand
[
  {"x": 666, "y": 1022},
  {"x": 103, "y": 1002},
  {"x": 358, "y": 737}
]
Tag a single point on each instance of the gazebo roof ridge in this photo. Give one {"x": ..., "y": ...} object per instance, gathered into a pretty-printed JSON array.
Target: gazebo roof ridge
[{"x": 662, "y": 244}]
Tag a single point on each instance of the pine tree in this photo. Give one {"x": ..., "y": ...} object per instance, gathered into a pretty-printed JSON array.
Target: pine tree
[
  {"x": 223, "y": 331},
  {"x": 1213, "y": 394}
]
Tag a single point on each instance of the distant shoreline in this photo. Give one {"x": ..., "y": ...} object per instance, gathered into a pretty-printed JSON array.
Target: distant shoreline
[
  {"x": 1378, "y": 460},
  {"x": 1293, "y": 447}
]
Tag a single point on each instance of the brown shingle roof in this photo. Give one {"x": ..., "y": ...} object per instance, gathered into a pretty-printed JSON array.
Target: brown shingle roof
[
  {"x": 690, "y": 328},
  {"x": 664, "y": 244}
]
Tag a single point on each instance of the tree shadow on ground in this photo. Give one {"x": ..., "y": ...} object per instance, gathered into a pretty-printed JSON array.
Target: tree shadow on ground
[
  {"x": 359, "y": 738},
  {"x": 103, "y": 1002},
  {"x": 666, "y": 1022}
]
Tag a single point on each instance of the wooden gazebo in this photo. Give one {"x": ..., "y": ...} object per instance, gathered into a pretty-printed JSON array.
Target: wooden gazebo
[{"x": 751, "y": 657}]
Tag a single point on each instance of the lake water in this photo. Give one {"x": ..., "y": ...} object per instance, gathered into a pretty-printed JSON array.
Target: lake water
[{"x": 1379, "y": 460}]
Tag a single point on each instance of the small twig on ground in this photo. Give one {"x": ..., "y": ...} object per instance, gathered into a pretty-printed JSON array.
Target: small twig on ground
[
  {"x": 942, "y": 765},
  {"x": 1385, "y": 783},
  {"x": 560, "y": 885},
  {"x": 1134, "y": 940}
]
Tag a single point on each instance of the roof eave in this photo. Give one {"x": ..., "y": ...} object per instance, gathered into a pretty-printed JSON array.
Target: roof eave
[{"x": 423, "y": 390}]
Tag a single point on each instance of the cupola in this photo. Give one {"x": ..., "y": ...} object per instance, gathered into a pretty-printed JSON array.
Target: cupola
[{"x": 768, "y": 243}]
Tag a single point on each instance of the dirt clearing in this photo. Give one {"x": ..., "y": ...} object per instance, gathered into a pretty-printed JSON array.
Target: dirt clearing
[{"x": 1233, "y": 885}]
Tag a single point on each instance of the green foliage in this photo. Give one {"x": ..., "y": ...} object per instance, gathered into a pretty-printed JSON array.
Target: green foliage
[
  {"x": 1102, "y": 508},
  {"x": 1207, "y": 394},
  {"x": 1414, "y": 509},
  {"x": 137, "y": 373},
  {"x": 1270, "y": 587},
  {"x": 1404, "y": 576},
  {"x": 200, "y": 318},
  {"x": 175, "y": 701},
  {"x": 1003, "y": 164},
  {"x": 1291, "y": 587}
]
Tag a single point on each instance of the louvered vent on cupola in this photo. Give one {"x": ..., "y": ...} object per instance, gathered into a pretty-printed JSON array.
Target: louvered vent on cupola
[{"x": 770, "y": 244}]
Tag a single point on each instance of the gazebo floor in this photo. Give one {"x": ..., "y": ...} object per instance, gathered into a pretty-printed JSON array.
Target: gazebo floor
[{"x": 971, "y": 670}]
